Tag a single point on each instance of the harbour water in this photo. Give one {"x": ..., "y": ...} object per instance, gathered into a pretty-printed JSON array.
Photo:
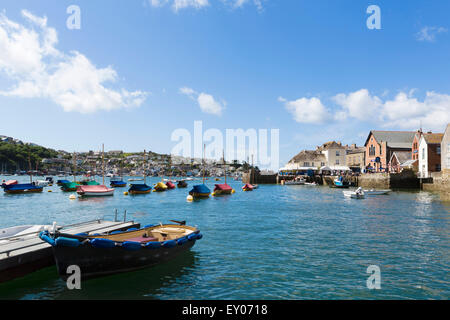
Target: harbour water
[{"x": 277, "y": 242}]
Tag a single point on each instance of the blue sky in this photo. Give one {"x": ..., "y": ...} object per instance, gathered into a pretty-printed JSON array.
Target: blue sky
[{"x": 138, "y": 70}]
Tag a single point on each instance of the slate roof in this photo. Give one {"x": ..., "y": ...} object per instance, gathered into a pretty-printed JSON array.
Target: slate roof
[{"x": 394, "y": 139}]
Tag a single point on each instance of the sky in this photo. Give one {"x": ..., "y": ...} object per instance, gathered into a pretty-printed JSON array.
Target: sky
[{"x": 130, "y": 73}]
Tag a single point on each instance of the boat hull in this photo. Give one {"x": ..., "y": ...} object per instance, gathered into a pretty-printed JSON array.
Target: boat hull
[
  {"x": 96, "y": 194},
  {"x": 96, "y": 262}
]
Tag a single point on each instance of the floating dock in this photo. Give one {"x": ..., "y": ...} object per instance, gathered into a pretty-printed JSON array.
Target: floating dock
[{"x": 27, "y": 253}]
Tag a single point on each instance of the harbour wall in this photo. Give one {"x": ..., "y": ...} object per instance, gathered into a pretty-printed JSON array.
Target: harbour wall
[
  {"x": 404, "y": 180},
  {"x": 440, "y": 184}
]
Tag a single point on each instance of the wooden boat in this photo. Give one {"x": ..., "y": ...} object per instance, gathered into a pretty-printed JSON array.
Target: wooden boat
[
  {"x": 159, "y": 187},
  {"x": 182, "y": 184},
  {"x": 247, "y": 187},
  {"x": 139, "y": 189},
  {"x": 22, "y": 188},
  {"x": 221, "y": 189},
  {"x": 120, "y": 251},
  {"x": 170, "y": 185},
  {"x": 95, "y": 191},
  {"x": 9, "y": 183},
  {"x": 357, "y": 194},
  {"x": 200, "y": 191},
  {"x": 373, "y": 192}
]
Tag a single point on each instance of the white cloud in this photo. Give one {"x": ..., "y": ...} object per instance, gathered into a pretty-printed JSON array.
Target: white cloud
[
  {"x": 306, "y": 110},
  {"x": 404, "y": 111},
  {"x": 360, "y": 105},
  {"x": 29, "y": 58},
  {"x": 429, "y": 33},
  {"x": 180, "y": 4},
  {"x": 206, "y": 102},
  {"x": 240, "y": 3}
]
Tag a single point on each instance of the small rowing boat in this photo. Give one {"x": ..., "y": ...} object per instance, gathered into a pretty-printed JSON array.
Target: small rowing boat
[
  {"x": 118, "y": 251},
  {"x": 182, "y": 184},
  {"x": 221, "y": 189},
  {"x": 247, "y": 187},
  {"x": 118, "y": 184},
  {"x": 9, "y": 183},
  {"x": 170, "y": 185}
]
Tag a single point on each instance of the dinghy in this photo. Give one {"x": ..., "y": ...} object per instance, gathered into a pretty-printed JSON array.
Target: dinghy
[
  {"x": 61, "y": 182},
  {"x": 247, "y": 187},
  {"x": 118, "y": 184},
  {"x": 120, "y": 251},
  {"x": 357, "y": 194},
  {"x": 340, "y": 183},
  {"x": 95, "y": 191}
]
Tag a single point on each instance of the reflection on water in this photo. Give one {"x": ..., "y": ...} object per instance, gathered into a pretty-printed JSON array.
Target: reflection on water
[{"x": 276, "y": 242}]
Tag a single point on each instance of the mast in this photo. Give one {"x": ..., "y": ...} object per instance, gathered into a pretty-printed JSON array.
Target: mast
[
  {"x": 144, "y": 167},
  {"x": 224, "y": 165},
  {"x": 103, "y": 164},
  {"x": 203, "y": 163},
  {"x": 74, "y": 167},
  {"x": 29, "y": 165}
]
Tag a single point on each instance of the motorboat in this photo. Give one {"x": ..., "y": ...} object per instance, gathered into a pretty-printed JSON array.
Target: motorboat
[
  {"x": 222, "y": 189},
  {"x": 373, "y": 192},
  {"x": 357, "y": 194},
  {"x": 22, "y": 188},
  {"x": 139, "y": 188},
  {"x": 200, "y": 191}
]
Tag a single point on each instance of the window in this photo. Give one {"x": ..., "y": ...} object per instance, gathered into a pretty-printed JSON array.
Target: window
[
  {"x": 438, "y": 167},
  {"x": 381, "y": 151},
  {"x": 423, "y": 153},
  {"x": 306, "y": 164},
  {"x": 322, "y": 164},
  {"x": 438, "y": 149},
  {"x": 337, "y": 153},
  {"x": 337, "y": 161},
  {"x": 372, "y": 150}
]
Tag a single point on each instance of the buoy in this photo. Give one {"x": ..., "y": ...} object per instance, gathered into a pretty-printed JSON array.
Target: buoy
[
  {"x": 213, "y": 194},
  {"x": 125, "y": 193},
  {"x": 49, "y": 190},
  {"x": 233, "y": 191},
  {"x": 190, "y": 198},
  {"x": 72, "y": 197}
]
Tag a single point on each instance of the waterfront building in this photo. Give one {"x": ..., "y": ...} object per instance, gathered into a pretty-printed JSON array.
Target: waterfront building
[
  {"x": 335, "y": 155},
  {"x": 430, "y": 154},
  {"x": 304, "y": 161},
  {"x": 445, "y": 151},
  {"x": 355, "y": 159},
  {"x": 401, "y": 160},
  {"x": 380, "y": 145}
]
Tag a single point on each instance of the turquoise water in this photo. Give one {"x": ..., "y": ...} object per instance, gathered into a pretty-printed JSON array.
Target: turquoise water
[{"x": 277, "y": 242}]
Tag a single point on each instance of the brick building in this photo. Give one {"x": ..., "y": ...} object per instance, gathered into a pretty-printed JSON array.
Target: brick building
[
  {"x": 380, "y": 145},
  {"x": 430, "y": 154}
]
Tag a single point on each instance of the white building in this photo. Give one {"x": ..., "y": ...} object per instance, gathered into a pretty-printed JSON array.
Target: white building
[
  {"x": 335, "y": 154},
  {"x": 429, "y": 154}
]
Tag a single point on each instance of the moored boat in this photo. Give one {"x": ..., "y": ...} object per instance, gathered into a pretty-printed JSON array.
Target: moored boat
[
  {"x": 170, "y": 185},
  {"x": 118, "y": 184},
  {"x": 340, "y": 183},
  {"x": 22, "y": 188},
  {"x": 61, "y": 182},
  {"x": 200, "y": 191},
  {"x": 120, "y": 251},
  {"x": 373, "y": 192},
  {"x": 95, "y": 191},
  {"x": 69, "y": 186},
  {"x": 222, "y": 189},
  {"x": 247, "y": 187},
  {"x": 182, "y": 184},
  {"x": 9, "y": 183},
  {"x": 159, "y": 187},
  {"x": 140, "y": 188}
]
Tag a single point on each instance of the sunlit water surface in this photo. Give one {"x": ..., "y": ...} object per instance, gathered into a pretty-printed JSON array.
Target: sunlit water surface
[{"x": 277, "y": 242}]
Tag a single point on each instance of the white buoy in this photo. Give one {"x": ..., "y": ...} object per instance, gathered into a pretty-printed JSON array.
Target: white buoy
[
  {"x": 190, "y": 198},
  {"x": 72, "y": 197}
]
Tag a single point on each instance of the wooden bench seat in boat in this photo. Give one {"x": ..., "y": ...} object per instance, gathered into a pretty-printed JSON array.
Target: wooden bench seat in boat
[{"x": 142, "y": 239}]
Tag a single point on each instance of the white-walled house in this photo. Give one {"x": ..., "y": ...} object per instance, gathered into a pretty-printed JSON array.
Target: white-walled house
[
  {"x": 445, "y": 150},
  {"x": 429, "y": 154},
  {"x": 335, "y": 154}
]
